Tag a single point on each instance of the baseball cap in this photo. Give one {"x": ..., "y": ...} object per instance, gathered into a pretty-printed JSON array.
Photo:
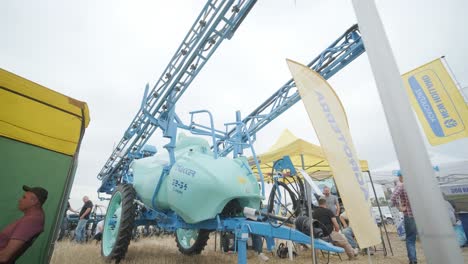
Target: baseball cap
[{"x": 40, "y": 193}]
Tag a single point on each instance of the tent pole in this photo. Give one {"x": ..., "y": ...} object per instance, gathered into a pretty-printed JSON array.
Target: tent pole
[
  {"x": 308, "y": 190},
  {"x": 302, "y": 161},
  {"x": 381, "y": 216}
]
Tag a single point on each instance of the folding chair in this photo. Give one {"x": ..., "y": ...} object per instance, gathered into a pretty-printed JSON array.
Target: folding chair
[
  {"x": 303, "y": 224},
  {"x": 329, "y": 240}
]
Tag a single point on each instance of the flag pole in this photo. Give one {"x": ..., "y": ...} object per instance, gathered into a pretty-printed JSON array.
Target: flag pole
[
  {"x": 435, "y": 230},
  {"x": 381, "y": 216},
  {"x": 457, "y": 83},
  {"x": 308, "y": 190}
]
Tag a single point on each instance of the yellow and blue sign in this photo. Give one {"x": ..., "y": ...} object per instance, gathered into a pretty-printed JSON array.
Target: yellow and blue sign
[{"x": 438, "y": 103}]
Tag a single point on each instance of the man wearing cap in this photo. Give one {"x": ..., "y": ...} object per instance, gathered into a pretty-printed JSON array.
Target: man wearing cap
[
  {"x": 15, "y": 235},
  {"x": 400, "y": 197}
]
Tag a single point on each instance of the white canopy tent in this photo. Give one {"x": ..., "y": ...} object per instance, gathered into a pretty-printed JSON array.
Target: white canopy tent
[
  {"x": 451, "y": 173},
  {"x": 447, "y": 169}
]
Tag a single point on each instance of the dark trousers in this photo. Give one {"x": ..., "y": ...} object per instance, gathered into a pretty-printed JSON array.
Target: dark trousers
[
  {"x": 411, "y": 233},
  {"x": 63, "y": 228}
]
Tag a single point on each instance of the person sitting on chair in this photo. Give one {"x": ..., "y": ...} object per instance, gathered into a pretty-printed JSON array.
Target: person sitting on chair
[
  {"x": 17, "y": 236},
  {"x": 347, "y": 230},
  {"x": 327, "y": 222}
]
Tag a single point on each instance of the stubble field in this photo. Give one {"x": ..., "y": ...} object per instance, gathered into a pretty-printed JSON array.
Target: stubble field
[{"x": 164, "y": 250}]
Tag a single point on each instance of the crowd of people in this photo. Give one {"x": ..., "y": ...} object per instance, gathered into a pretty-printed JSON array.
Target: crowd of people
[
  {"x": 18, "y": 235},
  {"x": 333, "y": 221},
  {"x": 329, "y": 217}
]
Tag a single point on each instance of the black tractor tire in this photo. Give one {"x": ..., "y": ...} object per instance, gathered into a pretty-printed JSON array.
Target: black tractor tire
[
  {"x": 127, "y": 219},
  {"x": 199, "y": 244}
]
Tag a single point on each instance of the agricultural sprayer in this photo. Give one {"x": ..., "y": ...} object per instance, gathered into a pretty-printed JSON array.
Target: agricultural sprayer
[{"x": 192, "y": 187}]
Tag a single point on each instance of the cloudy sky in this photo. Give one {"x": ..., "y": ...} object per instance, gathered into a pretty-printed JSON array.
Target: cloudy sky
[{"x": 104, "y": 52}]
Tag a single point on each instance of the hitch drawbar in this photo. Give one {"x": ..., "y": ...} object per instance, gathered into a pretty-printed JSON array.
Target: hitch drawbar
[{"x": 253, "y": 214}]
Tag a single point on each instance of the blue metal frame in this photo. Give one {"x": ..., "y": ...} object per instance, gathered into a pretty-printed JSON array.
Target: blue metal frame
[
  {"x": 340, "y": 53},
  {"x": 241, "y": 228},
  {"x": 218, "y": 20}
]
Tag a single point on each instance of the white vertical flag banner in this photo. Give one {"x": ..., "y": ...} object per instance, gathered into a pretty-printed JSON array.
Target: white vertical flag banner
[
  {"x": 331, "y": 126},
  {"x": 434, "y": 228}
]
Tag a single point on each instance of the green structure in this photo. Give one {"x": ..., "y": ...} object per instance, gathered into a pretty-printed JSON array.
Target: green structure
[{"x": 40, "y": 135}]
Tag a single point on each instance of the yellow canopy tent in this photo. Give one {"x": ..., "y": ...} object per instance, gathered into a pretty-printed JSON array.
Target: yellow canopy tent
[{"x": 303, "y": 155}]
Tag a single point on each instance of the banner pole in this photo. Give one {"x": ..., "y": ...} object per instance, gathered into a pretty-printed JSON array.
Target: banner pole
[
  {"x": 308, "y": 194},
  {"x": 435, "y": 230},
  {"x": 381, "y": 217},
  {"x": 454, "y": 78},
  {"x": 308, "y": 190}
]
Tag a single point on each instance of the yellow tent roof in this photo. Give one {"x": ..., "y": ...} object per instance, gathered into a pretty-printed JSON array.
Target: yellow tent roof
[
  {"x": 36, "y": 115},
  {"x": 303, "y": 155}
]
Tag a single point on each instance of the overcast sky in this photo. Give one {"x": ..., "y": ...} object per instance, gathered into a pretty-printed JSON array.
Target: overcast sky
[{"x": 104, "y": 52}]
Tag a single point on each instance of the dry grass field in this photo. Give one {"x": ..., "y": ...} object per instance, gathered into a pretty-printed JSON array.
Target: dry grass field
[{"x": 164, "y": 250}]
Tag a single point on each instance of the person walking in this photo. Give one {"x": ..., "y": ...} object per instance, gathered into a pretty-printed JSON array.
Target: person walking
[
  {"x": 85, "y": 212},
  {"x": 400, "y": 199}
]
